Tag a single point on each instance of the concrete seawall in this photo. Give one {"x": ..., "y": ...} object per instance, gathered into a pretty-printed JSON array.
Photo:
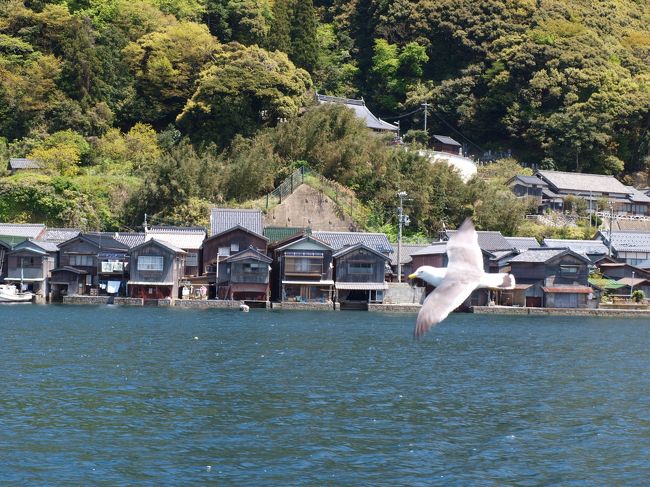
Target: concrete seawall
[
  {"x": 508, "y": 310},
  {"x": 308, "y": 306}
]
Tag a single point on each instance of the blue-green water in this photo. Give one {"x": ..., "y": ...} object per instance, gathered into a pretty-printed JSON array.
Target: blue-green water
[{"x": 126, "y": 396}]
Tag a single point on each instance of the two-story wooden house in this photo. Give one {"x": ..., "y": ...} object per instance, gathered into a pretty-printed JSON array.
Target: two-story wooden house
[
  {"x": 91, "y": 263},
  {"x": 359, "y": 275},
  {"x": 303, "y": 270},
  {"x": 190, "y": 239},
  {"x": 236, "y": 264},
  {"x": 551, "y": 278},
  {"x": 29, "y": 265},
  {"x": 156, "y": 269}
]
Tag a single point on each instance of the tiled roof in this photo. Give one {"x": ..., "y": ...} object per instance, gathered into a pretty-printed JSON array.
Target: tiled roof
[
  {"x": 167, "y": 245},
  {"x": 361, "y": 111},
  {"x": 568, "y": 289},
  {"x": 583, "y": 182},
  {"x": 222, "y": 219},
  {"x": 629, "y": 281},
  {"x": 629, "y": 241},
  {"x": 539, "y": 255},
  {"x": 489, "y": 240},
  {"x": 407, "y": 251},
  {"x": 277, "y": 234},
  {"x": 104, "y": 240},
  {"x": 434, "y": 248},
  {"x": 338, "y": 240},
  {"x": 130, "y": 239},
  {"x": 352, "y": 248},
  {"x": 637, "y": 196},
  {"x": 443, "y": 139},
  {"x": 22, "y": 163},
  {"x": 39, "y": 244},
  {"x": 59, "y": 235},
  {"x": 190, "y": 238},
  {"x": 533, "y": 180},
  {"x": 28, "y": 230},
  {"x": 577, "y": 246},
  {"x": 523, "y": 243}
]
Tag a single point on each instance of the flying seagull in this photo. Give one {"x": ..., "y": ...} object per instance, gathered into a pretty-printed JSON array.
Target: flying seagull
[{"x": 463, "y": 274}]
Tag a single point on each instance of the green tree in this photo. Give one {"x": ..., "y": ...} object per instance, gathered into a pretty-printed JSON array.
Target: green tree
[
  {"x": 166, "y": 65},
  {"x": 245, "y": 88},
  {"x": 304, "y": 43}
]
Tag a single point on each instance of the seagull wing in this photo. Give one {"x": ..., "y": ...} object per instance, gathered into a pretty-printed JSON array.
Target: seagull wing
[
  {"x": 464, "y": 273},
  {"x": 463, "y": 251},
  {"x": 442, "y": 301}
]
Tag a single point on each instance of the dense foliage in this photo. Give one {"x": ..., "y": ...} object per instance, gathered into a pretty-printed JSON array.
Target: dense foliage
[{"x": 167, "y": 106}]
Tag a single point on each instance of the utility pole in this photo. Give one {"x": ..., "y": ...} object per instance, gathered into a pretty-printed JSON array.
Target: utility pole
[
  {"x": 426, "y": 111},
  {"x": 611, "y": 217},
  {"x": 400, "y": 212}
]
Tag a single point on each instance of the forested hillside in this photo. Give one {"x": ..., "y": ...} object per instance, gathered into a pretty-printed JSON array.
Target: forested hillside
[{"x": 169, "y": 106}]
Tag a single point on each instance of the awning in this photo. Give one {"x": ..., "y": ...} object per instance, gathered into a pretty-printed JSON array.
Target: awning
[
  {"x": 568, "y": 290},
  {"x": 362, "y": 286},
  {"x": 25, "y": 280},
  {"x": 522, "y": 287},
  {"x": 309, "y": 283},
  {"x": 148, "y": 283}
]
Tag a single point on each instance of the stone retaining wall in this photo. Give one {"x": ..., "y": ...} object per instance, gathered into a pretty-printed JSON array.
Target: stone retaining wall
[
  {"x": 308, "y": 306},
  {"x": 85, "y": 299},
  {"x": 395, "y": 308},
  {"x": 128, "y": 301},
  {"x": 207, "y": 303}
]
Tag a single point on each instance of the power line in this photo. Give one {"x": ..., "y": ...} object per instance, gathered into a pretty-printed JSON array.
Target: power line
[{"x": 403, "y": 115}]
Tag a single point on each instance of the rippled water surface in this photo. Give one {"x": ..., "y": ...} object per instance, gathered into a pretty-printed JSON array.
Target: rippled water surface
[{"x": 121, "y": 396}]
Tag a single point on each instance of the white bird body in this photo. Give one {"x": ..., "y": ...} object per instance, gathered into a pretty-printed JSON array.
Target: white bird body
[
  {"x": 455, "y": 283},
  {"x": 435, "y": 275}
]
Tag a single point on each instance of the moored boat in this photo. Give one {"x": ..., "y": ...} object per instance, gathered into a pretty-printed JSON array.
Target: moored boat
[{"x": 10, "y": 294}]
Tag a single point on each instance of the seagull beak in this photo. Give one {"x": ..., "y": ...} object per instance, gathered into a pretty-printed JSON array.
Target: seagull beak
[{"x": 413, "y": 276}]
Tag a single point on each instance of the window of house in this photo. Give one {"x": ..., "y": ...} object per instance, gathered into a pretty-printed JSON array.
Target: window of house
[
  {"x": 150, "y": 263},
  {"x": 251, "y": 267},
  {"x": 569, "y": 270},
  {"x": 27, "y": 262},
  {"x": 234, "y": 247},
  {"x": 224, "y": 251},
  {"x": 360, "y": 268},
  {"x": 81, "y": 260},
  {"x": 303, "y": 263},
  {"x": 112, "y": 266},
  {"x": 192, "y": 259}
]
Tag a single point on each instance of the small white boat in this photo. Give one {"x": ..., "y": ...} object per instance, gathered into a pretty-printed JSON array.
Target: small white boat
[
  {"x": 244, "y": 307},
  {"x": 10, "y": 294}
]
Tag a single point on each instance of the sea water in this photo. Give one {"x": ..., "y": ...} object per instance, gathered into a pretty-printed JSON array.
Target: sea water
[{"x": 153, "y": 396}]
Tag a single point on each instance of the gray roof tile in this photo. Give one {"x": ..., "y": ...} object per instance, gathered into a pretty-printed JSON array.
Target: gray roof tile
[
  {"x": 189, "y": 238},
  {"x": 489, "y": 240},
  {"x": 338, "y": 240},
  {"x": 539, "y": 255},
  {"x": 444, "y": 139},
  {"x": 407, "y": 251},
  {"x": 361, "y": 110},
  {"x": 28, "y": 230},
  {"x": 58, "y": 235},
  {"x": 628, "y": 241},
  {"x": 523, "y": 243},
  {"x": 23, "y": 163},
  {"x": 583, "y": 182},
  {"x": 578, "y": 246},
  {"x": 222, "y": 219}
]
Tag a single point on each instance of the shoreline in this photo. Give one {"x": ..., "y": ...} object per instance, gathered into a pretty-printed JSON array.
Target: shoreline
[{"x": 408, "y": 308}]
